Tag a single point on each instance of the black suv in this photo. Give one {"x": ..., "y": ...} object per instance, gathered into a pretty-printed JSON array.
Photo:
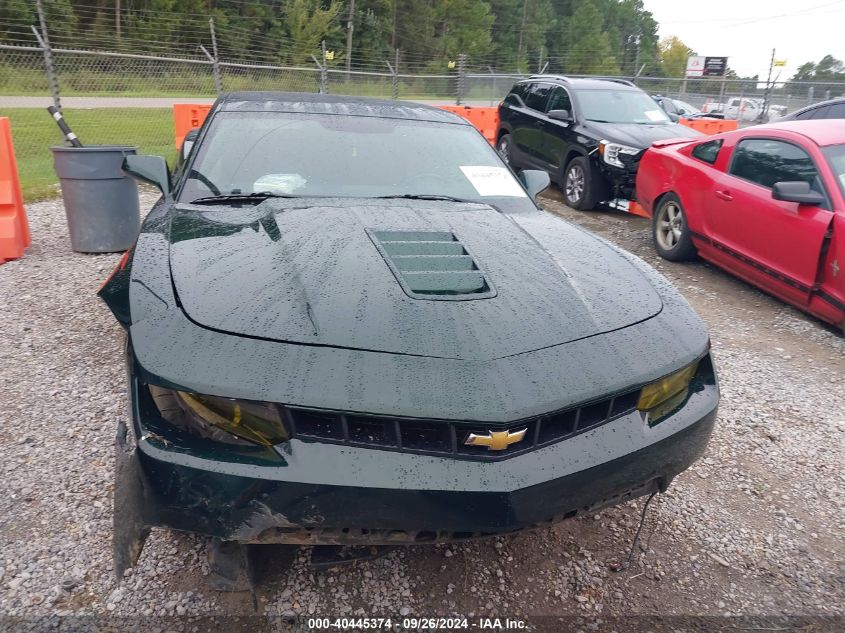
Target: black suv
[{"x": 589, "y": 134}]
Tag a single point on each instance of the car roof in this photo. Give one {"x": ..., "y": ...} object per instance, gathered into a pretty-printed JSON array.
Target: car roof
[
  {"x": 593, "y": 83},
  {"x": 820, "y": 131},
  {"x": 820, "y": 104},
  {"x": 315, "y": 103}
]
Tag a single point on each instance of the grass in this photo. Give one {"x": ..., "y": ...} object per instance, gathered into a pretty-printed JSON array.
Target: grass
[{"x": 33, "y": 132}]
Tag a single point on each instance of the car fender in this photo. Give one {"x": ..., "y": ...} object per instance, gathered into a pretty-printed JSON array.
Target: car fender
[
  {"x": 652, "y": 178},
  {"x": 662, "y": 171},
  {"x": 832, "y": 272},
  {"x": 504, "y": 128}
]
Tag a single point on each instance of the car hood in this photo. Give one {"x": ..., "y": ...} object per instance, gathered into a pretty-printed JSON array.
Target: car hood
[
  {"x": 325, "y": 272},
  {"x": 640, "y": 135}
]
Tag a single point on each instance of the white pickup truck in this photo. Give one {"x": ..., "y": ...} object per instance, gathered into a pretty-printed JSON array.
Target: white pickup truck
[{"x": 743, "y": 109}]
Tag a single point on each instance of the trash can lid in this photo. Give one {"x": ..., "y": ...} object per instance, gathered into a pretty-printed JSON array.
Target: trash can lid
[{"x": 95, "y": 148}]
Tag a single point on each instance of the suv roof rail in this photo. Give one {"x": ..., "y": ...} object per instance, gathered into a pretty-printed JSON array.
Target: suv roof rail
[
  {"x": 550, "y": 76},
  {"x": 618, "y": 80}
]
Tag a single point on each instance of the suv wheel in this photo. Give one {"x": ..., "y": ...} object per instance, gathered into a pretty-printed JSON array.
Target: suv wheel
[
  {"x": 583, "y": 187},
  {"x": 671, "y": 234},
  {"x": 504, "y": 149}
]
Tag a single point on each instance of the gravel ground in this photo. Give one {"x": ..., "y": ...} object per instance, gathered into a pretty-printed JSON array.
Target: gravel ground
[{"x": 755, "y": 528}]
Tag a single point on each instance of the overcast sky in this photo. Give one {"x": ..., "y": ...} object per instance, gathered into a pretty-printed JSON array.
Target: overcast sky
[{"x": 746, "y": 30}]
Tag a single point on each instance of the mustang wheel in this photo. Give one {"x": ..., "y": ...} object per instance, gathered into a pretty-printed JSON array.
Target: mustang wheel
[
  {"x": 670, "y": 231},
  {"x": 504, "y": 149},
  {"x": 583, "y": 188}
]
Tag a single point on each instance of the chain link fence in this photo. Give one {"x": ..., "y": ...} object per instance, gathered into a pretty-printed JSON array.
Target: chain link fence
[{"x": 121, "y": 97}]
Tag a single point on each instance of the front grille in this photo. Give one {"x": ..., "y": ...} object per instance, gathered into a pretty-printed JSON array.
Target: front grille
[{"x": 448, "y": 437}]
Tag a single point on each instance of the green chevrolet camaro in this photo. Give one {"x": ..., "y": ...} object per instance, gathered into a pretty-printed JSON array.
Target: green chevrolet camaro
[{"x": 349, "y": 323}]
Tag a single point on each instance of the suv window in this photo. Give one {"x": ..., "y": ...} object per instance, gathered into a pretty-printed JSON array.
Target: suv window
[
  {"x": 517, "y": 94},
  {"x": 815, "y": 113},
  {"x": 836, "y": 111},
  {"x": 559, "y": 100},
  {"x": 708, "y": 152},
  {"x": 537, "y": 96},
  {"x": 766, "y": 162}
]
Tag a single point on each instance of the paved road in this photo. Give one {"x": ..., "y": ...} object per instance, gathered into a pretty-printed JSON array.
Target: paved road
[{"x": 149, "y": 102}]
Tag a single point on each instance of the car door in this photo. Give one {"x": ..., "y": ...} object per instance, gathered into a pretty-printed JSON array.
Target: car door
[
  {"x": 773, "y": 243},
  {"x": 558, "y": 136},
  {"x": 527, "y": 122}
]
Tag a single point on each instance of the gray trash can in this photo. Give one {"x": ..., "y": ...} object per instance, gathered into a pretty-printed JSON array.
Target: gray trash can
[{"x": 101, "y": 201}]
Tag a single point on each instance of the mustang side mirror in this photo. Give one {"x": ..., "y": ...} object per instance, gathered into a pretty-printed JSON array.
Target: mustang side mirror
[
  {"x": 535, "y": 181},
  {"x": 560, "y": 115},
  {"x": 150, "y": 169},
  {"x": 797, "y": 191}
]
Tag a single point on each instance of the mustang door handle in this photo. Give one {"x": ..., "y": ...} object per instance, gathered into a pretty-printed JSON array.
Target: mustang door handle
[{"x": 724, "y": 195}]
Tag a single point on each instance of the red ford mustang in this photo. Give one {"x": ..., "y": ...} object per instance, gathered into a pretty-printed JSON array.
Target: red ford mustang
[{"x": 766, "y": 203}]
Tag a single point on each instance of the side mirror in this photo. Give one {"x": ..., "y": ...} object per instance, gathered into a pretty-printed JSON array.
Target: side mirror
[
  {"x": 797, "y": 191},
  {"x": 188, "y": 143},
  {"x": 535, "y": 181},
  {"x": 150, "y": 169},
  {"x": 560, "y": 115}
]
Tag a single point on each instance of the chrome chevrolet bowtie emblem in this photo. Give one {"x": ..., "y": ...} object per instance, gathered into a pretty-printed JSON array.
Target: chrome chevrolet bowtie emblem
[{"x": 495, "y": 440}]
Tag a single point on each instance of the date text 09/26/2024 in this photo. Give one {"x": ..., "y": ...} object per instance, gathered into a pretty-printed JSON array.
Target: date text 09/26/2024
[{"x": 416, "y": 624}]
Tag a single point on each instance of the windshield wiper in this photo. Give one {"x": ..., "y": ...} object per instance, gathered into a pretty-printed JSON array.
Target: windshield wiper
[
  {"x": 227, "y": 198},
  {"x": 425, "y": 196}
]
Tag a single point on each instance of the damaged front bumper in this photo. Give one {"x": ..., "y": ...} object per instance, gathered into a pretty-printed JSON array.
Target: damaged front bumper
[{"x": 311, "y": 493}]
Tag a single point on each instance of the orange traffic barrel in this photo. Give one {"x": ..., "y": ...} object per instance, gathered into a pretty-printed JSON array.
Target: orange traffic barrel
[{"x": 14, "y": 228}]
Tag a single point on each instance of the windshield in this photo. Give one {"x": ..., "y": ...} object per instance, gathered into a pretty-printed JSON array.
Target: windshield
[
  {"x": 836, "y": 157},
  {"x": 333, "y": 155},
  {"x": 620, "y": 106},
  {"x": 686, "y": 107}
]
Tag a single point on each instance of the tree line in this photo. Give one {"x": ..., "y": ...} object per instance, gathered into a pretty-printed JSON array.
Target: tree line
[
  {"x": 610, "y": 37},
  {"x": 571, "y": 36}
]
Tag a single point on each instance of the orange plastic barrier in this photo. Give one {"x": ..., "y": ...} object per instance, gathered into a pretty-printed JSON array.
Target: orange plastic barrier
[
  {"x": 14, "y": 229},
  {"x": 635, "y": 208},
  {"x": 485, "y": 120},
  {"x": 710, "y": 126},
  {"x": 187, "y": 116}
]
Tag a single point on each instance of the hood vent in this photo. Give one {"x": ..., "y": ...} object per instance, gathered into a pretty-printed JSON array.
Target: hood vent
[{"x": 432, "y": 265}]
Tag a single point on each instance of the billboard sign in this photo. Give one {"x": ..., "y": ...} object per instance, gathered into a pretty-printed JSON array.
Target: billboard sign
[
  {"x": 695, "y": 66},
  {"x": 715, "y": 66},
  {"x": 699, "y": 66}
]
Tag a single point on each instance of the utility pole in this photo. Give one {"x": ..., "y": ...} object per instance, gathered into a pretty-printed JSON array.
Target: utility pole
[
  {"x": 117, "y": 19},
  {"x": 762, "y": 116},
  {"x": 350, "y": 26}
]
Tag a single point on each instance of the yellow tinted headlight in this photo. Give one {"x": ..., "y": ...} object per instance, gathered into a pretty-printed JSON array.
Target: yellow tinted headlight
[
  {"x": 253, "y": 421},
  {"x": 666, "y": 388}
]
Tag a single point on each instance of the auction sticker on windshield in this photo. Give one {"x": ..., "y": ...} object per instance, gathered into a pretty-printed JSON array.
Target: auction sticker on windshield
[{"x": 492, "y": 181}]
